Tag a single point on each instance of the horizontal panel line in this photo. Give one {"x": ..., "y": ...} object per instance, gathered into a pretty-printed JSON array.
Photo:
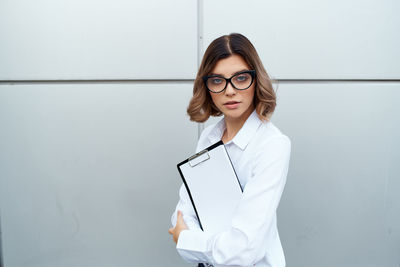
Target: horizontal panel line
[
  {"x": 337, "y": 80},
  {"x": 94, "y": 81},
  {"x": 120, "y": 81}
]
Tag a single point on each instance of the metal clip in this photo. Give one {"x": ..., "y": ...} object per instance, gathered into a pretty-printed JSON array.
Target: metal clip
[{"x": 201, "y": 153}]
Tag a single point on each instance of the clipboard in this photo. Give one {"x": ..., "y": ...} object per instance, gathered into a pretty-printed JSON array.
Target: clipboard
[{"x": 213, "y": 187}]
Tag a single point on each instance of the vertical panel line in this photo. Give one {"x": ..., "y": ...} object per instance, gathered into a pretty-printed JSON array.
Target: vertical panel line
[{"x": 200, "y": 126}]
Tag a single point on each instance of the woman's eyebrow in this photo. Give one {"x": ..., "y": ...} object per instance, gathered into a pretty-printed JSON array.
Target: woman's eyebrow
[{"x": 219, "y": 74}]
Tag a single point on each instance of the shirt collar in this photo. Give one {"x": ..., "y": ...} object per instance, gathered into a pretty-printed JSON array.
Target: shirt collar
[{"x": 243, "y": 137}]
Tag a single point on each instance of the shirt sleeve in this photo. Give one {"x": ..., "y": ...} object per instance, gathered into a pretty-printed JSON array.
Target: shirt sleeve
[{"x": 244, "y": 243}]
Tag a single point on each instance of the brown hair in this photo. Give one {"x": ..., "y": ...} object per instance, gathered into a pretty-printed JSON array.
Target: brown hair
[{"x": 201, "y": 106}]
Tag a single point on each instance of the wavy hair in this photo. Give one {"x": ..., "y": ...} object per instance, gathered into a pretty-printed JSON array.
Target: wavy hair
[{"x": 201, "y": 106}]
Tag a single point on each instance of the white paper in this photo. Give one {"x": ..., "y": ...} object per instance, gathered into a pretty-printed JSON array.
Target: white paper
[{"x": 214, "y": 188}]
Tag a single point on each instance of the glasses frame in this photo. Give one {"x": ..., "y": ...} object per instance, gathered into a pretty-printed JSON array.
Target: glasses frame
[{"x": 229, "y": 80}]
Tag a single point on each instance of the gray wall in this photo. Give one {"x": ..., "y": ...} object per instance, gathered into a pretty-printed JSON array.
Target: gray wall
[{"x": 92, "y": 123}]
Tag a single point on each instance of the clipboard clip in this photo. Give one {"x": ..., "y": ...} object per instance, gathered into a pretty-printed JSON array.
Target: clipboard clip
[{"x": 199, "y": 158}]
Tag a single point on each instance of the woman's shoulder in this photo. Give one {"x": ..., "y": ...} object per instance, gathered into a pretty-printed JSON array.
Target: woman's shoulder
[
  {"x": 207, "y": 136},
  {"x": 207, "y": 130},
  {"x": 269, "y": 132},
  {"x": 269, "y": 144}
]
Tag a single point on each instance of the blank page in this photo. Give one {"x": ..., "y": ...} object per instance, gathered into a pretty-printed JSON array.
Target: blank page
[{"x": 214, "y": 188}]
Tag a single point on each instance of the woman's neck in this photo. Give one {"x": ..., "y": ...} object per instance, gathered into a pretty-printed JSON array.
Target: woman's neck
[{"x": 233, "y": 126}]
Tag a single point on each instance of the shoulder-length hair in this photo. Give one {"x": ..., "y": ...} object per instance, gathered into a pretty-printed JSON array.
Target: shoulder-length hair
[{"x": 201, "y": 106}]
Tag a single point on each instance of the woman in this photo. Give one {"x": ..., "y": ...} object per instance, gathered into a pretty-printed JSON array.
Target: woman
[{"x": 232, "y": 82}]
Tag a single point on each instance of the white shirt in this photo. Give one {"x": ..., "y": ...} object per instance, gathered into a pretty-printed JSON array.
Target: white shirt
[{"x": 260, "y": 155}]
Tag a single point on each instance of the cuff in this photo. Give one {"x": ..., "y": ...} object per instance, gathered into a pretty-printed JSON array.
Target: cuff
[{"x": 192, "y": 245}]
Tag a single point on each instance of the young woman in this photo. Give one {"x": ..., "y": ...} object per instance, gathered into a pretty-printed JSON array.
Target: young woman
[{"x": 232, "y": 82}]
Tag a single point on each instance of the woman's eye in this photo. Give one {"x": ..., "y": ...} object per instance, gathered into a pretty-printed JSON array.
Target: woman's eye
[
  {"x": 241, "y": 78},
  {"x": 216, "y": 81}
]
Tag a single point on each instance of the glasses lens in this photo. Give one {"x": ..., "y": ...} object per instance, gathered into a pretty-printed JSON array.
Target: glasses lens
[
  {"x": 242, "y": 80},
  {"x": 216, "y": 84}
]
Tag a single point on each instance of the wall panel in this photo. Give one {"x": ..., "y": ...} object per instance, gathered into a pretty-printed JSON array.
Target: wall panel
[
  {"x": 70, "y": 40},
  {"x": 313, "y": 39},
  {"x": 88, "y": 172},
  {"x": 341, "y": 205}
]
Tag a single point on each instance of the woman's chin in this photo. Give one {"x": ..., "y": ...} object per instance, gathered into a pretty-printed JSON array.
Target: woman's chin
[{"x": 234, "y": 114}]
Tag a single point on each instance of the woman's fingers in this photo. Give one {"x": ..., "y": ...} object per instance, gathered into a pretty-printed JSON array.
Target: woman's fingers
[
  {"x": 180, "y": 225},
  {"x": 179, "y": 218},
  {"x": 180, "y": 221}
]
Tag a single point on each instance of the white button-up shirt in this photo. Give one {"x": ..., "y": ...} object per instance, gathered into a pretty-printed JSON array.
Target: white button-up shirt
[{"x": 260, "y": 155}]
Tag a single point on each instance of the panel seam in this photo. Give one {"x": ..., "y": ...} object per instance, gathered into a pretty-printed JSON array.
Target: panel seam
[{"x": 200, "y": 18}]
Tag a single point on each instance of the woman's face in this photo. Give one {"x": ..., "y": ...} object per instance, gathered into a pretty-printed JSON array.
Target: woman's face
[{"x": 234, "y": 104}]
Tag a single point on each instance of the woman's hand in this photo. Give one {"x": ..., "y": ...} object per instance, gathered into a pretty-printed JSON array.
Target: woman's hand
[{"x": 179, "y": 227}]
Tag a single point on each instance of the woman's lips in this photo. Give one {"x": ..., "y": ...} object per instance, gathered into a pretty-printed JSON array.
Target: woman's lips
[{"x": 232, "y": 104}]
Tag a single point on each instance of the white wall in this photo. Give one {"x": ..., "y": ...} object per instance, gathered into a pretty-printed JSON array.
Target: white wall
[
  {"x": 310, "y": 39},
  {"x": 70, "y": 40},
  {"x": 93, "y": 97},
  {"x": 341, "y": 204},
  {"x": 86, "y": 179}
]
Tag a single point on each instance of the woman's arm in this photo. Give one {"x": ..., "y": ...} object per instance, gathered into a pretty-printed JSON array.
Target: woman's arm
[{"x": 244, "y": 243}]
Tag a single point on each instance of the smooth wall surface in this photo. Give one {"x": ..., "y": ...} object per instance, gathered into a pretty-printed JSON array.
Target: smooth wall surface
[
  {"x": 70, "y": 40},
  {"x": 341, "y": 205},
  {"x": 90, "y": 140},
  {"x": 311, "y": 39},
  {"x": 88, "y": 172}
]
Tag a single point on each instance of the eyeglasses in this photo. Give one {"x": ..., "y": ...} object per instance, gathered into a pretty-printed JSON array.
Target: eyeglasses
[{"x": 240, "y": 81}]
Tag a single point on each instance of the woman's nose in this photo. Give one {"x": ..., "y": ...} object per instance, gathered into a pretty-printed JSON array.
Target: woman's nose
[{"x": 229, "y": 89}]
